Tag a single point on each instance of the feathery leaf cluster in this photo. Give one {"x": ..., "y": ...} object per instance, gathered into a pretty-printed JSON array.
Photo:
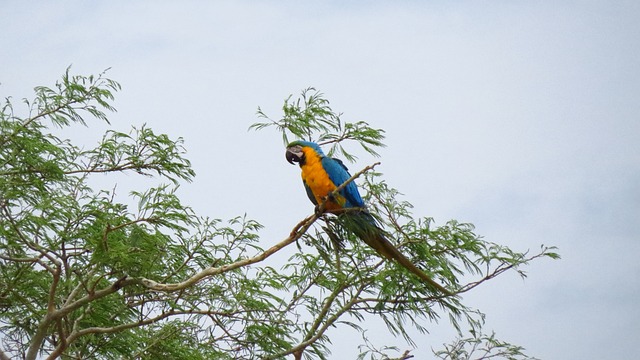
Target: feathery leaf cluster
[{"x": 311, "y": 118}]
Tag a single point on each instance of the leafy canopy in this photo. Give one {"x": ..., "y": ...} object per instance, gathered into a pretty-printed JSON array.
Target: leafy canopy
[{"x": 83, "y": 275}]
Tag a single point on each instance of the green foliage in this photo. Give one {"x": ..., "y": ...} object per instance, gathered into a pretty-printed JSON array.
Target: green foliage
[
  {"x": 310, "y": 118},
  {"x": 84, "y": 275},
  {"x": 480, "y": 346}
]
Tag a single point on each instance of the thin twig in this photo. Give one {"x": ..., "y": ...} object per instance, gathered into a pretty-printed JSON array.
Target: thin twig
[{"x": 299, "y": 230}]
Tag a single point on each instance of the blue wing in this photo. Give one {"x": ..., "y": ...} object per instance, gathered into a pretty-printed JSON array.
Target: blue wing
[
  {"x": 338, "y": 173},
  {"x": 309, "y": 193}
]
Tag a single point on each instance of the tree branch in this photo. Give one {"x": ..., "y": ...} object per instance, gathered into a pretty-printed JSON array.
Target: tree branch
[
  {"x": 320, "y": 330},
  {"x": 336, "y": 192},
  {"x": 297, "y": 232}
]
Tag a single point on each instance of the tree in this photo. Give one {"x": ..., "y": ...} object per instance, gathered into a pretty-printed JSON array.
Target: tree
[{"x": 85, "y": 276}]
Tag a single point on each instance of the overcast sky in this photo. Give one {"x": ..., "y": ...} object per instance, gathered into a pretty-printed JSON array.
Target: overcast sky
[{"x": 521, "y": 117}]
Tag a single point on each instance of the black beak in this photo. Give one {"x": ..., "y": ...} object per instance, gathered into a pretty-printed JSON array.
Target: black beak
[{"x": 294, "y": 155}]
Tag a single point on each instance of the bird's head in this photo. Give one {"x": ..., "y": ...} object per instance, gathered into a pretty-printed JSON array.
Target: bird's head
[{"x": 296, "y": 151}]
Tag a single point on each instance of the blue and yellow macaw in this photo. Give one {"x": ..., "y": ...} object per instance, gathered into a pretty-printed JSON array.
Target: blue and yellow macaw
[{"x": 321, "y": 176}]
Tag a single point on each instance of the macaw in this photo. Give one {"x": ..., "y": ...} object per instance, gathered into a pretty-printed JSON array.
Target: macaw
[{"x": 321, "y": 175}]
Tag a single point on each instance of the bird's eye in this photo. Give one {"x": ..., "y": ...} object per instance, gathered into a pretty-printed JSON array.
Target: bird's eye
[{"x": 292, "y": 157}]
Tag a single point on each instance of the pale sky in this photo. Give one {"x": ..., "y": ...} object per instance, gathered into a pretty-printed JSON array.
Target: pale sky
[{"x": 522, "y": 118}]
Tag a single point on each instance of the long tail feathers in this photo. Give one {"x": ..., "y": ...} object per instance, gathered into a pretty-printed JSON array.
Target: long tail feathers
[{"x": 373, "y": 237}]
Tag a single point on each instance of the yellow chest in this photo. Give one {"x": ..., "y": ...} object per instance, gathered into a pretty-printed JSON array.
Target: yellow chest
[{"x": 317, "y": 179}]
